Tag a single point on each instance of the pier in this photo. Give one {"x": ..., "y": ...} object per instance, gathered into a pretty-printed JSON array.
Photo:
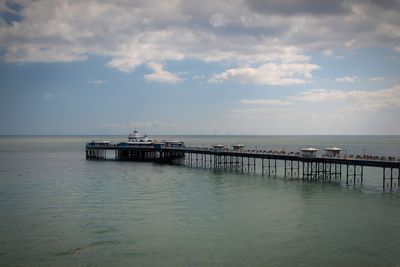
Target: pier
[{"x": 306, "y": 166}]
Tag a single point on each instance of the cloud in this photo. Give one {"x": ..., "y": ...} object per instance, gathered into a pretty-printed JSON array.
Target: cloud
[
  {"x": 361, "y": 100},
  {"x": 322, "y": 111},
  {"x": 376, "y": 79},
  {"x": 347, "y": 79},
  {"x": 266, "y": 102},
  {"x": 327, "y": 52},
  {"x": 45, "y": 52},
  {"x": 97, "y": 82},
  {"x": 148, "y": 47},
  {"x": 289, "y": 7},
  {"x": 53, "y": 95},
  {"x": 269, "y": 74},
  {"x": 161, "y": 75},
  {"x": 319, "y": 95},
  {"x": 218, "y": 20},
  {"x": 243, "y": 33}
]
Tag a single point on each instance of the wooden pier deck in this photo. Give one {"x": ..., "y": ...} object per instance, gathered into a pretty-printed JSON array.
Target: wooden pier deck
[{"x": 292, "y": 165}]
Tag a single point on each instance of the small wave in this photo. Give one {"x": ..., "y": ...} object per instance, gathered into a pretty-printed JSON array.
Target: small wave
[
  {"x": 102, "y": 231},
  {"x": 105, "y": 242},
  {"x": 73, "y": 251}
]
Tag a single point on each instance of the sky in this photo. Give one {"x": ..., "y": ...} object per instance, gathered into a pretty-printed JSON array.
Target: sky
[{"x": 200, "y": 67}]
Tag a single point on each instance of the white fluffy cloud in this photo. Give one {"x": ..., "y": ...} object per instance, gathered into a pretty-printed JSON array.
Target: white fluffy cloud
[
  {"x": 270, "y": 74},
  {"x": 347, "y": 79},
  {"x": 161, "y": 75},
  {"x": 239, "y": 33}
]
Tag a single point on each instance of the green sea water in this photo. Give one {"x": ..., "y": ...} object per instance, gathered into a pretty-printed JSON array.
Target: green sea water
[{"x": 58, "y": 209}]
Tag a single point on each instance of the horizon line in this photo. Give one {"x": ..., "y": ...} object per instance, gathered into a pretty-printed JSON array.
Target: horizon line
[{"x": 38, "y": 135}]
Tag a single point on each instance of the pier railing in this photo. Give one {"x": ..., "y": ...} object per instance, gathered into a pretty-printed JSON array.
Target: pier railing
[{"x": 293, "y": 165}]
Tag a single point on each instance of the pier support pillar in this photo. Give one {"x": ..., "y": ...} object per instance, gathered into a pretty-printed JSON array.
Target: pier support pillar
[
  {"x": 354, "y": 173},
  {"x": 391, "y": 178}
]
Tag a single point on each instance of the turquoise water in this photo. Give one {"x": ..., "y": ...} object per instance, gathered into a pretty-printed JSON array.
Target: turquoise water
[{"x": 59, "y": 209}]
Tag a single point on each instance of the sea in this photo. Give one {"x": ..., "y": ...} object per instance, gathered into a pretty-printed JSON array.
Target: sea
[{"x": 59, "y": 209}]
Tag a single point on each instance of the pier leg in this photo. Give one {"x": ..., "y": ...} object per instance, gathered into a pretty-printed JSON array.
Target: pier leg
[
  {"x": 236, "y": 163},
  {"x": 391, "y": 178},
  {"x": 269, "y": 166},
  {"x": 362, "y": 174},
  {"x": 316, "y": 170},
  {"x": 262, "y": 166},
  {"x": 387, "y": 178},
  {"x": 285, "y": 169},
  {"x": 333, "y": 172},
  {"x": 383, "y": 178},
  {"x": 291, "y": 169},
  {"x": 398, "y": 177}
]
